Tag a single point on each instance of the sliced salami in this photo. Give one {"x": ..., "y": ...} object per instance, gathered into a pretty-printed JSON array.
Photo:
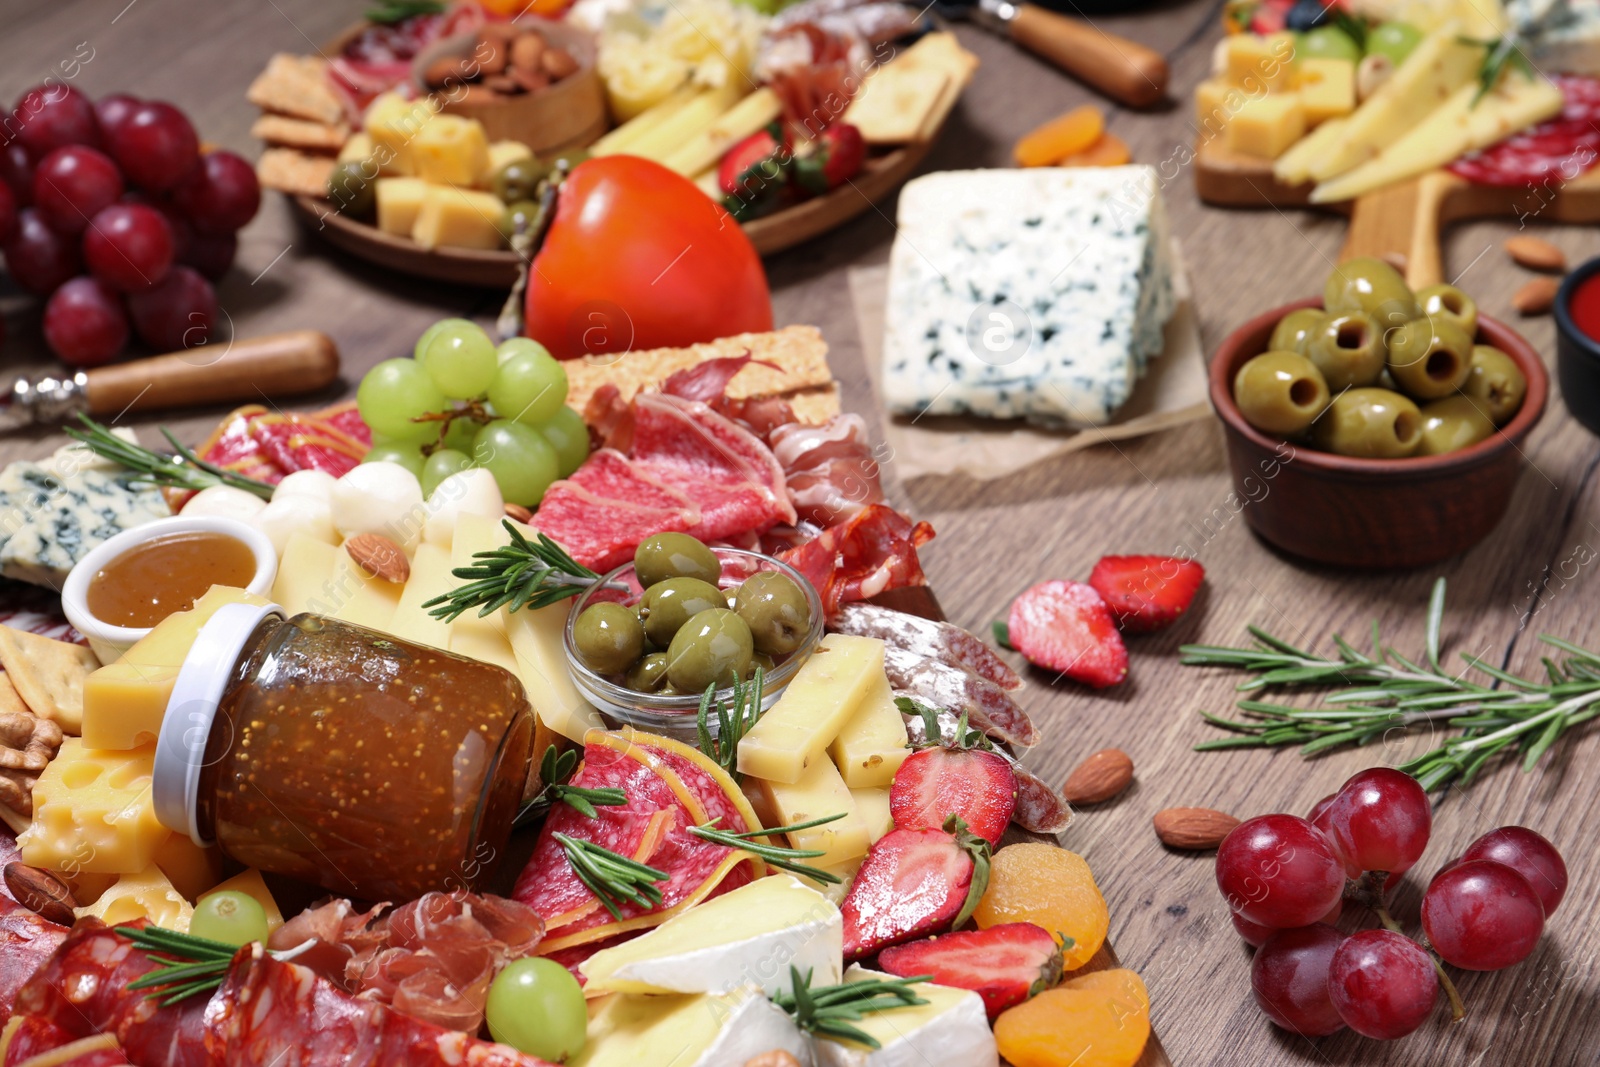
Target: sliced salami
[
  {"x": 989, "y": 708},
  {"x": 26, "y": 942},
  {"x": 34, "y": 1036},
  {"x": 929, "y": 638},
  {"x": 1547, "y": 155}
]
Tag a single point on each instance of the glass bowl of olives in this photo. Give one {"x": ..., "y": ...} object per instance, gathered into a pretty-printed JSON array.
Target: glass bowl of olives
[
  {"x": 645, "y": 642},
  {"x": 1386, "y": 432}
]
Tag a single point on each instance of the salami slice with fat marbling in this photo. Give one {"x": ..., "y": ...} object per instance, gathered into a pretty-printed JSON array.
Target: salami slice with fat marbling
[{"x": 989, "y": 708}]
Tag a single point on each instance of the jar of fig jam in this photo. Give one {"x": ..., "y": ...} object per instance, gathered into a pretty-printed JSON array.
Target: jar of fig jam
[{"x": 373, "y": 767}]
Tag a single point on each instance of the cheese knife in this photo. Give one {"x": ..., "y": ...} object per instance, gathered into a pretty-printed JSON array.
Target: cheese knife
[
  {"x": 258, "y": 368},
  {"x": 1124, "y": 70}
]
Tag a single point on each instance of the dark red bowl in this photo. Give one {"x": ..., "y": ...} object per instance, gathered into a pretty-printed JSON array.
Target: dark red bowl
[{"x": 1372, "y": 513}]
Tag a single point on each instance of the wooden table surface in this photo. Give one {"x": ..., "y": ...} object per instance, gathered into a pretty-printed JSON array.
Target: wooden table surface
[{"x": 1162, "y": 494}]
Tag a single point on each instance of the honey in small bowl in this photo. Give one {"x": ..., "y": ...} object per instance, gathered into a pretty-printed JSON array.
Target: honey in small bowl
[{"x": 166, "y": 575}]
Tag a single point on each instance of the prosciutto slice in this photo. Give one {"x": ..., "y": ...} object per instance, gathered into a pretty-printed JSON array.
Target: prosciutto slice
[
  {"x": 831, "y": 471},
  {"x": 874, "y": 551}
]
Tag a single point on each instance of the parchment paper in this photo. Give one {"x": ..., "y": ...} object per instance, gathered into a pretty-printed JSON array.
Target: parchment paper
[{"x": 1172, "y": 393}]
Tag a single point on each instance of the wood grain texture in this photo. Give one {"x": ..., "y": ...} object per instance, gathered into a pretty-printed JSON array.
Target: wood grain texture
[{"x": 1535, "y": 572}]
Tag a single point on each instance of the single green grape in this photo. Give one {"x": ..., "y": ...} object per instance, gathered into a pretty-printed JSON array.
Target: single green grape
[
  {"x": 433, "y": 331},
  {"x": 461, "y": 434},
  {"x": 537, "y": 1007},
  {"x": 408, "y": 456},
  {"x": 461, "y": 361},
  {"x": 1328, "y": 42},
  {"x": 568, "y": 434},
  {"x": 232, "y": 917},
  {"x": 530, "y": 386},
  {"x": 394, "y": 393},
  {"x": 1394, "y": 40},
  {"x": 519, "y": 457},
  {"x": 441, "y": 465}
]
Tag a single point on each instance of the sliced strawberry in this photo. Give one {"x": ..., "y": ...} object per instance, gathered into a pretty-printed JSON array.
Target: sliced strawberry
[
  {"x": 914, "y": 883},
  {"x": 1147, "y": 593},
  {"x": 1066, "y": 627},
  {"x": 936, "y": 783},
  {"x": 756, "y": 162},
  {"x": 1004, "y": 964}
]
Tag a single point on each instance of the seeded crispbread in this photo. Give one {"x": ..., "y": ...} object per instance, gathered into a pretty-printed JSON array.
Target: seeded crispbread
[{"x": 297, "y": 86}]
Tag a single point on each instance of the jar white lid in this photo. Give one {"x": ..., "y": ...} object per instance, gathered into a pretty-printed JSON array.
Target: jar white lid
[{"x": 186, "y": 727}]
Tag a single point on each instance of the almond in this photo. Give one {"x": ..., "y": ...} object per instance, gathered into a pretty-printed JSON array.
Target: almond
[
  {"x": 1098, "y": 778},
  {"x": 1537, "y": 297},
  {"x": 525, "y": 52},
  {"x": 379, "y": 557},
  {"x": 41, "y": 892},
  {"x": 1536, "y": 254},
  {"x": 1196, "y": 829},
  {"x": 518, "y": 513},
  {"x": 442, "y": 73},
  {"x": 558, "y": 63}
]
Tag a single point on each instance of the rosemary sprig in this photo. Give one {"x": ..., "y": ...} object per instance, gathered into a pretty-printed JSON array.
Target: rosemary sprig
[
  {"x": 389, "y": 12},
  {"x": 186, "y": 470},
  {"x": 555, "y": 770},
  {"x": 828, "y": 1011},
  {"x": 522, "y": 574},
  {"x": 1379, "y": 692},
  {"x": 186, "y": 964},
  {"x": 964, "y": 737},
  {"x": 785, "y": 859},
  {"x": 614, "y": 878},
  {"x": 733, "y": 721}
]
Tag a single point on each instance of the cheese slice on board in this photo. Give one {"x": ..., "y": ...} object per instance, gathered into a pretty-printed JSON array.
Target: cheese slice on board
[
  {"x": 304, "y": 574},
  {"x": 873, "y": 806},
  {"x": 751, "y": 936},
  {"x": 92, "y": 811},
  {"x": 482, "y": 637},
  {"x": 695, "y": 1030},
  {"x": 1294, "y": 166},
  {"x": 823, "y": 695},
  {"x": 872, "y": 743},
  {"x": 192, "y": 870},
  {"x": 951, "y": 1030},
  {"x": 819, "y": 792},
  {"x": 537, "y": 639},
  {"x": 146, "y": 895},
  {"x": 430, "y": 577}
]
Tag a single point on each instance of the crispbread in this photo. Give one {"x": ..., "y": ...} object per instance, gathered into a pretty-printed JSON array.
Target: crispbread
[
  {"x": 300, "y": 133},
  {"x": 893, "y": 104},
  {"x": 48, "y": 674},
  {"x": 799, "y": 354},
  {"x": 289, "y": 170},
  {"x": 297, "y": 86},
  {"x": 815, "y": 406}
]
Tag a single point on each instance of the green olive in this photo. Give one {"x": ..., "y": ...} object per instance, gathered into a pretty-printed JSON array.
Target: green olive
[
  {"x": 1295, "y": 330},
  {"x": 674, "y": 555},
  {"x": 776, "y": 611},
  {"x": 1496, "y": 382},
  {"x": 669, "y": 604},
  {"x": 1371, "y": 423},
  {"x": 1452, "y": 303},
  {"x": 714, "y": 646},
  {"x": 608, "y": 638},
  {"x": 1430, "y": 357},
  {"x": 649, "y": 674},
  {"x": 1348, "y": 350},
  {"x": 519, "y": 180},
  {"x": 518, "y": 215},
  {"x": 764, "y": 661},
  {"x": 1370, "y": 285},
  {"x": 1280, "y": 392},
  {"x": 1386, "y": 381},
  {"x": 1452, "y": 424},
  {"x": 570, "y": 156},
  {"x": 353, "y": 188}
]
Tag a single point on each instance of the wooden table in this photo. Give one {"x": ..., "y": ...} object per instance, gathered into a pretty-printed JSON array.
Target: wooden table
[{"x": 1162, "y": 494}]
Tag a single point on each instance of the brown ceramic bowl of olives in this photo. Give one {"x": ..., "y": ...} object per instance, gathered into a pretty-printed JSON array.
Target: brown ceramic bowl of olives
[
  {"x": 645, "y": 642},
  {"x": 1376, "y": 427}
]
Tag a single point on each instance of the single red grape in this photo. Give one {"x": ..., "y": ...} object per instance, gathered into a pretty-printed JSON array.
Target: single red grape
[
  {"x": 1319, "y": 807},
  {"x": 113, "y": 110},
  {"x": 39, "y": 258},
  {"x": 129, "y": 246},
  {"x": 50, "y": 116},
  {"x": 1530, "y": 855},
  {"x": 220, "y": 196},
  {"x": 156, "y": 146},
  {"x": 8, "y": 212},
  {"x": 1290, "y": 979},
  {"x": 1255, "y": 934},
  {"x": 1379, "y": 821},
  {"x": 84, "y": 323},
  {"x": 179, "y": 313},
  {"x": 1278, "y": 870},
  {"x": 1382, "y": 984},
  {"x": 72, "y": 184},
  {"x": 16, "y": 171},
  {"x": 211, "y": 253},
  {"x": 1482, "y": 916}
]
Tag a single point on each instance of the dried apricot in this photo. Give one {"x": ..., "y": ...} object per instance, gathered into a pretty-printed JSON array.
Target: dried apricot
[
  {"x": 1060, "y": 137},
  {"x": 1032, "y": 882},
  {"x": 1109, "y": 151},
  {"x": 1097, "y": 1020}
]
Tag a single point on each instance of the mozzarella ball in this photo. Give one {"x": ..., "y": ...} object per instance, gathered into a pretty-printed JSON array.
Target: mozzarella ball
[
  {"x": 289, "y": 515},
  {"x": 470, "y": 492},
  {"x": 380, "y": 498},
  {"x": 316, "y": 484},
  {"x": 224, "y": 502}
]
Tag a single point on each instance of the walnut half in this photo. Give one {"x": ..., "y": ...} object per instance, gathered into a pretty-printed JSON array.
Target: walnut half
[{"x": 27, "y": 745}]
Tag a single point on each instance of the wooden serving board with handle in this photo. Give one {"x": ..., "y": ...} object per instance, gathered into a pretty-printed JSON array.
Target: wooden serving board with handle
[{"x": 1406, "y": 218}]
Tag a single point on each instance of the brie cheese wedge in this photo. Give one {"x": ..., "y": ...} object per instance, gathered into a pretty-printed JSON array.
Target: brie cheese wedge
[
  {"x": 951, "y": 1030},
  {"x": 697, "y": 1030}
]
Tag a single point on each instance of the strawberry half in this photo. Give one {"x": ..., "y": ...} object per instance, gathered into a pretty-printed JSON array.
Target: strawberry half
[
  {"x": 936, "y": 783},
  {"x": 1067, "y": 627},
  {"x": 1147, "y": 593},
  {"x": 1004, "y": 964},
  {"x": 914, "y": 883}
]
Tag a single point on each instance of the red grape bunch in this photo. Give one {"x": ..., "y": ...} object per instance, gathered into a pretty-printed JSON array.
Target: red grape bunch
[
  {"x": 112, "y": 213},
  {"x": 1284, "y": 879}
]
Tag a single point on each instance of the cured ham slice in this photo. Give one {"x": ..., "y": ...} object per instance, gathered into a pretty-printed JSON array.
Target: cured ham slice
[
  {"x": 926, "y": 637},
  {"x": 872, "y": 552},
  {"x": 830, "y": 469}
]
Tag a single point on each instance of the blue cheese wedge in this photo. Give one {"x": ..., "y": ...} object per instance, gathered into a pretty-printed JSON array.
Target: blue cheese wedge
[
  {"x": 1039, "y": 294},
  {"x": 52, "y": 515},
  {"x": 1564, "y": 34}
]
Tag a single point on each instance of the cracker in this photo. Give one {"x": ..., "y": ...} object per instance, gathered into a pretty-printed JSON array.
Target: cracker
[
  {"x": 939, "y": 51},
  {"x": 48, "y": 675},
  {"x": 297, "y": 86},
  {"x": 289, "y": 170},
  {"x": 798, "y": 352},
  {"x": 813, "y": 407},
  {"x": 10, "y": 699},
  {"x": 300, "y": 133},
  {"x": 894, "y": 103}
]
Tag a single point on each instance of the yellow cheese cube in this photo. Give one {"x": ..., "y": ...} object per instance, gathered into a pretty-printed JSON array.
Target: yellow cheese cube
[
  {"x": 1215, "y": 102},
  {"x": 819, "y": 792},
  {"x": 251, "y": 884},
  {"x": 92, "y": 811},
  {"x": 1261, "y": 64},
  {"x": 168, "y": 642},
  {"x": 872, "y": 744},
  {"x": 503, "y": 152},
  {"x": 145, "y": 895},
  {"x": 458, "y": 218},
  {"x": 124, "y": 703},
  {"x": 358, "y": 149},
  {"x": 822, "y": 696},
  {"x": 1327, "y": 89},
  {"x": 304, "y": 575},
  {"x": 873, "y": 804},
  {"x": 393, "y": 123},
  {"x": 362, "y": 599},
  {"x": 1267, "y": 125},
  {"x": 451, "y": 150},
  {"x": 399, "y": 203},
  {"x": 430, "y": 577},
  {"x": 192, "y": 870},
  {"x": 86, "y": 887}
]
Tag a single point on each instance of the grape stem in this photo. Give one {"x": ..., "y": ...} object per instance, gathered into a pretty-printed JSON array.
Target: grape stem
[
  {"x": 474, "y": 410},
  {"x": 1368, "y": 892}
]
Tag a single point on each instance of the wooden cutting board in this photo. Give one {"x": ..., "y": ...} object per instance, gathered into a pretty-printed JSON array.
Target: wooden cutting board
[{"x": 1406, "y": 218}]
